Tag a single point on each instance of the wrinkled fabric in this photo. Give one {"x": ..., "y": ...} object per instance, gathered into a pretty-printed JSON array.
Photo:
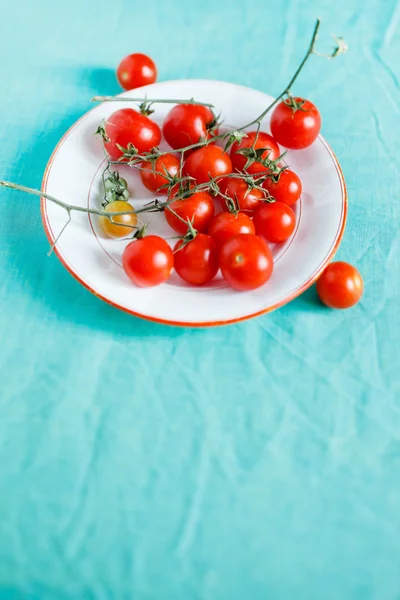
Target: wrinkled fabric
[{"x": 256, "y": 461}]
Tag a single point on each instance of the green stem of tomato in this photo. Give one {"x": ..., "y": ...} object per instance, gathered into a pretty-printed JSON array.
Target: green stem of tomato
[{"x": 149, "y": 100}]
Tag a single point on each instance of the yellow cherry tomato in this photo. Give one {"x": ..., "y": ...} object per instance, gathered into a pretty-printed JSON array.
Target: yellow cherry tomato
[{"x": 114, "y": 229}]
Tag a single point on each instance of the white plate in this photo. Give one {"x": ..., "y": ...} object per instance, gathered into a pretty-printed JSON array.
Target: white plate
[{"x": 73, "y": 175}]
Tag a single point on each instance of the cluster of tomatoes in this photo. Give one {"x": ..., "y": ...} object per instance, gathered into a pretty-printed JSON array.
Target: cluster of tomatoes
[{"x": 228, "y": 202}]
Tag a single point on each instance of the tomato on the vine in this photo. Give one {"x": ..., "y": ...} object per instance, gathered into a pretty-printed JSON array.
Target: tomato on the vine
[
  {"x": 196, "y": 261},
  {"x": 148, "y": 261},
  {"x": 244, "y": 197},
  {"x": 340, "y": 285},
  {"x": 187, "y": 124},
  {"x": 264, "y": 140},
  {"x": 295, "y": 123},
  {"x": 198, "y": 209},
  {"x": 136, "y": 70},
  {"x": 225, "y": 225},
  {"x": 274, "y": 221},
  {"x": 127, "y": 126},
  {"x": 150, "y": 172},
  {"x": 207, "y": 162},
  {"x": 246, "y": 261},
  {"x": 286, "y": 187},
  {"x": 121, "y": 225}
]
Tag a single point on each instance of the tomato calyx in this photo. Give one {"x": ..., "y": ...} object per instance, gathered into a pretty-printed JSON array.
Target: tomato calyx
[
  {"x": 188, "y": 237},
  {"x": 101, "y": 131},
  {"x": 233, "y": 137},
  {"x": 294, "y": 104},
  {"x": 115, "y": 188},
  {"x": 213, "y": 125},
  {"x": 145, "y": 108},
  {"x": 141, "y": 232}
]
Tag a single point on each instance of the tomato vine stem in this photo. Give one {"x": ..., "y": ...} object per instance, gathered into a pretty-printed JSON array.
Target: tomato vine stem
[{"x": 149, "y": 100}]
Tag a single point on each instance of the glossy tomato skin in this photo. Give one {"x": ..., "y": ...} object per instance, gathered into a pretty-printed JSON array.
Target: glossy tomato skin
[
  {"x": 148, "y": 261},
  {"x": 198, "y": 208},
  {"x": 274, "y": 221},
  {"x": 197, "y": 261},
  {"x": 136, "y": 70},
  {"x": 208, "y": 162},
  {"x": 246, "y": 262},
  {"x": 128, "y": 126},
  {"x": 264, "y": 140},
  {"x": 247, "y": 198},
  {"x": 225, "y": 225},
  {"x": 116, "y": 229},
  {"x": 150, "y": 172},
  {"x": 286, "y": 189},
  {"x": 295, "y": 129},
  {"x": 340, "y": 285},
  {"x": 187, "y": 124}
]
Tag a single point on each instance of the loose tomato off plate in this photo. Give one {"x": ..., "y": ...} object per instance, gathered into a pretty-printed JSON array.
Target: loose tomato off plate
[{"x": 74, "y": 175}]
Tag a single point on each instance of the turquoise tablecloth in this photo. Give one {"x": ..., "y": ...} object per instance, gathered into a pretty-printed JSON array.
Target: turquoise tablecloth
[{"x": 253, "y": 462}]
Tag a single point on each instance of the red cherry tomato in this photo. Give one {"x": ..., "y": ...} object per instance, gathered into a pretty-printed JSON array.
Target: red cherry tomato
[
  {"x": 187, "y": 124},
  {"x": 246, "y": 261},
  {"x": 196, "y": 261},
  {"x": 340, "y": 285},
  {"x": 150, "y": 172},
  {"x": 225, "y": 225},
  {"x": 208, "y": 162},
  {"x": 264, "y": 140},
  {"x": 274, "y": 221},
  {"x": 148, "y": 261},
  {"x": 136, "y": 70},
  {"x": 247, "y": 198},
  {"x": 298, "y": 128},
  {"x": 286, "y": 189},
  {"x": 128, "y": 126},
  {"x": 198, "y": 208}
]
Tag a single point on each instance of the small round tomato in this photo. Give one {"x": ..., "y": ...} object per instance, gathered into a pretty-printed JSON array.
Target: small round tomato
[
  {"x": 295, "y": 128},
  {"x": 285, "y": 188},
  {"x": 225, "y": 225},
  {"x": 187, "y": 124},
  {"x": 148, "y": 261},
  {"x": 196, "y": 261},
  {"x": 245, "y": 198},
  {"x": 150, "y": 172},
  {"x": 274, "y": 221},
  {"x": 340, "y": 285},
  {"x": 136, "y": 70},
  {"x": 198, "y": 208},
  {"x": 264, "y": 140},
  {"x": 116, "y": 229},
  {"x": 246, "y": 261},
  {"x": 127, "y": 126},
  {"x": 208, "y": 162}
]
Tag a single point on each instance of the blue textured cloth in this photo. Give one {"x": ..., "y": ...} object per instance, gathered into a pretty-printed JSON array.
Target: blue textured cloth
[{"x": 258, "y": 461}]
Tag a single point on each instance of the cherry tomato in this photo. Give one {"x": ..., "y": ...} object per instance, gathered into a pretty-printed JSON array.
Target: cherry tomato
[
  {"x": 225, "y": 225},
  {"x": 187, "y": 124},
  {"x": 246, "y": 261},
  {"x": 198, "y": 208},
  {"x": 128, "y": 126},
  {"x": 113, "y": 230},
  {"x": 151, "y": 179},
  {"x": 286, "y": 189},
  {"x": 208, "y": 162},
  {"x": 340, "y": 285},
  {"x": 295, "y": 128},
  {"x": 148, "y": 261},
  {"x": 136, "y": 70},
  {"x": 274, "y": 221},
  {"x": 246, "y": 197},
  {"x": 196, "y": 261},
  {"x": 264, "y": 140}
]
